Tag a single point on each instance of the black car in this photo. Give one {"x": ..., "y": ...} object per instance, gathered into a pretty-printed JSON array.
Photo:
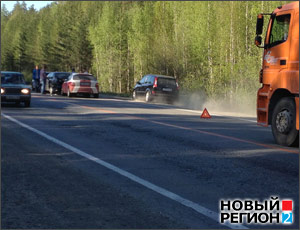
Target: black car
[
  {"x": 55, "y": 80},
  {"x": 14, "y": 88},
  {"x": 156, "y": 86}
]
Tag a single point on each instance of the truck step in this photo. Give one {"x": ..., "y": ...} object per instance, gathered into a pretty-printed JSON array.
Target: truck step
[
  {"x": 262, "y": 109},
  {"x": 263, "y": 94}
]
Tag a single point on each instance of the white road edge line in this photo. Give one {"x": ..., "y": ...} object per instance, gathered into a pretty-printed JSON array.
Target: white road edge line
[{"x": 198, "y": 208}]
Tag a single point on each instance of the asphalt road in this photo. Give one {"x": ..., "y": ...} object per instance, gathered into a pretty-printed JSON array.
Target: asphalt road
[{"x": 83, "y": 163}]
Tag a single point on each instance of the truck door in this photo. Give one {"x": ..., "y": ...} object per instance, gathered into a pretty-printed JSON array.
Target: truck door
[{"x": 276, "y": 54}]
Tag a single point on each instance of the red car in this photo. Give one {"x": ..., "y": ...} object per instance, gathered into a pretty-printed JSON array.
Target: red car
[{"x": 80, "y": 83}]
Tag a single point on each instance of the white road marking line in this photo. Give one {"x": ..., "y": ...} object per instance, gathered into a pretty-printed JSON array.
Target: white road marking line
[
  {"x": 190, "y": 204},
  {"x": 189, "y": 110}
]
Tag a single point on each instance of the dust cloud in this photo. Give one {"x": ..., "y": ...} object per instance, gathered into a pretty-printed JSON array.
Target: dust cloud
[{"x": 237, "y": 105}]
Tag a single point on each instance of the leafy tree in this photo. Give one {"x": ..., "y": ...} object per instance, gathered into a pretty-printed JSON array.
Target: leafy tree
[{"x": 207, "y": 46}]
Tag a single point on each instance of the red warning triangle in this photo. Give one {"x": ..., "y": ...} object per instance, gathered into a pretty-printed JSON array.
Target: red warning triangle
[{"x": 205, "y": 114}]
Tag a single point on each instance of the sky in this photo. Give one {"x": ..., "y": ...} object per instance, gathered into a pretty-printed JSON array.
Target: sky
[{"x": 37, "y": 4}]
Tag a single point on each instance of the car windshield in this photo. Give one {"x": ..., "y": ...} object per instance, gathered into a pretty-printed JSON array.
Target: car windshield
[
  {"x": 12, "y": 78},
  {"x": 166, "y": 81},
  {"x": 62, "y": 75},
  {"x": 84, "y": 77}
]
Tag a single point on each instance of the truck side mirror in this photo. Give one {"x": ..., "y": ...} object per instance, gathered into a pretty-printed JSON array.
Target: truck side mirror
[
  {"x": 258, "y": 40},
  {"x": 259, "y": 24}
]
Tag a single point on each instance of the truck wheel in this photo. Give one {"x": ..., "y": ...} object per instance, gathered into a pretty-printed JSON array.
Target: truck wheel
[{"x": 284, "y": 122}]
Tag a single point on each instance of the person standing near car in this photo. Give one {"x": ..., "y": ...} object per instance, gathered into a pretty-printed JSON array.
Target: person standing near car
[
  {"x": 36, "y": 78},
  {"x": 43, "y": 79}
]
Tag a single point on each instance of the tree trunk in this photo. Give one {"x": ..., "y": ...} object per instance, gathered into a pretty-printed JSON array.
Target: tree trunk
[
  {"x": 231, "y": 50},
  {"x": 246, "y": 28},
  {"x": 128, "y": 69},
  {"x": 97, "y": 65},
  {"x": 209, "y": 44}
]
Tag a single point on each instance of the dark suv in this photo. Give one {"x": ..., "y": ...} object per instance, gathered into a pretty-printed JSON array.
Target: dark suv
[
  {"x": 14, "y": 88},
  {"x": 55, "y": 80},
  {"x": 156, "y": 86}
]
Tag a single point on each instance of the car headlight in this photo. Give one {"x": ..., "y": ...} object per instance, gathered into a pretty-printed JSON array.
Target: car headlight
[
  {"x": 2, "y": 91},
  {"x": 25, "y": 91}
]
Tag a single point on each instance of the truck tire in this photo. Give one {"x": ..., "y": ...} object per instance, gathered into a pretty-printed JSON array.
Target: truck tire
[{"x": 284, "y": 122}]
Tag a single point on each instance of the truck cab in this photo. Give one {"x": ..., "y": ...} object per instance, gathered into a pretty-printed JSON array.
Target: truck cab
[{"x": 278, "y": 98}]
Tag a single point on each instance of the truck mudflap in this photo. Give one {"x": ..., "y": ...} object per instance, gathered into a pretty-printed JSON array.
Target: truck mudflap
[
  {"x": 262, "y": 105},
  {"x": 297, "y": 112}
]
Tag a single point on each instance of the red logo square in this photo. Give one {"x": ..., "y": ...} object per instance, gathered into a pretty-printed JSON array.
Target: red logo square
[{"x": 287, "y": 205}]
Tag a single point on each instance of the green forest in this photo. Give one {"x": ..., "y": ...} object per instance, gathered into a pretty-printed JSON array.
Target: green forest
[{"x": 208, "y": 46}]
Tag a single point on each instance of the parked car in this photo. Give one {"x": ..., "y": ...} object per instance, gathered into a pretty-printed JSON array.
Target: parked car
[
  {"x": 14, "y": 88},
  {"x": 55, "y": 80},
  {"x": 156, "y": 86},
  {"x": 80, "y": 83}
]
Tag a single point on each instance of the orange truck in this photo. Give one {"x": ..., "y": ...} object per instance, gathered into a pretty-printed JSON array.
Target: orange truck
[{"x": 278, "y": 98}]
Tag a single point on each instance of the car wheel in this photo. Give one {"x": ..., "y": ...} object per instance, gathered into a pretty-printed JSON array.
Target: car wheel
[
  {"x": 134, "y": 95},
  {"x": 27, "y": 103},
  {"x": 148, "y": 96},
  {"x": 284, "y": 122},
  {"x": 62, "y": 92},
  {"x": 69, "y": 94},
  {"x": 96, "y": 95}
]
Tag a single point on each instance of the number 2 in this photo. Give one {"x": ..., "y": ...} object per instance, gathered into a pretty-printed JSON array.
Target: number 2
[{"x": 287, "y": 220}]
